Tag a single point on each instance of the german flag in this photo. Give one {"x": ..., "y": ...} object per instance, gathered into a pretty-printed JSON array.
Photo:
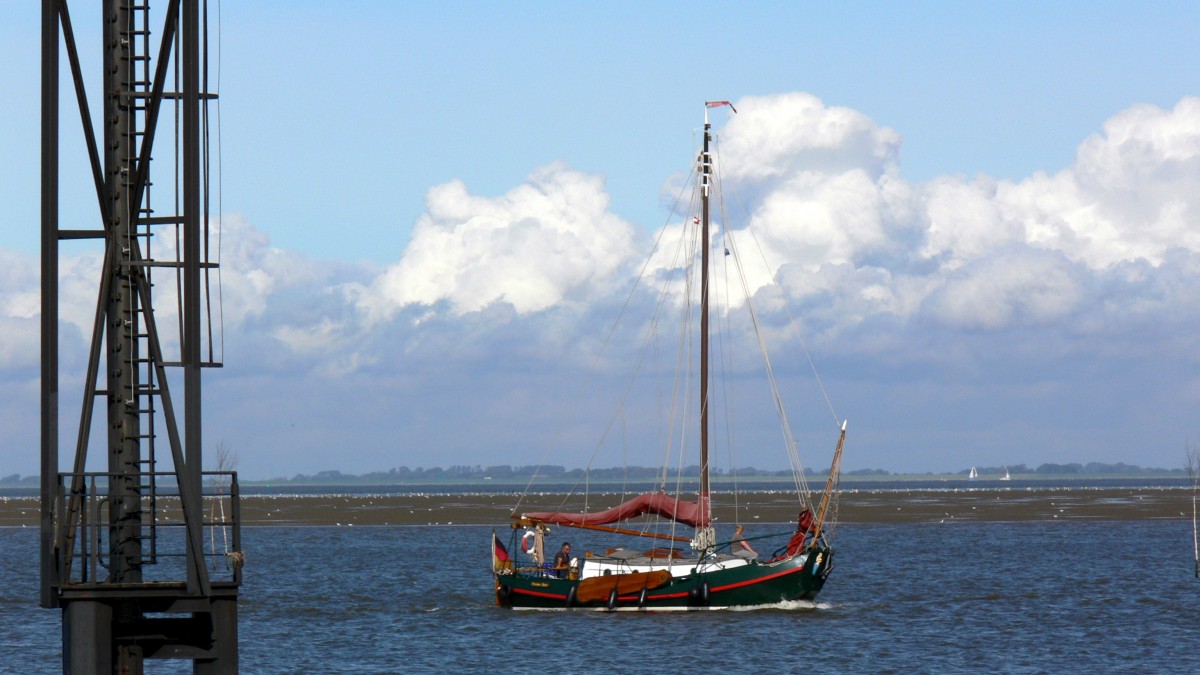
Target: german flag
[{"x": 500, "y": 558}]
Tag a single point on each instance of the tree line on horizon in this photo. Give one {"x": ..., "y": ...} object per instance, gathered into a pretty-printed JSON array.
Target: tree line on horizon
[{"x": 507, "y": 473}]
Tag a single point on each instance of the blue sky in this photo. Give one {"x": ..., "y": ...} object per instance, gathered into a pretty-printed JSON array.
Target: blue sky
[{"x": 342, "y": 124}]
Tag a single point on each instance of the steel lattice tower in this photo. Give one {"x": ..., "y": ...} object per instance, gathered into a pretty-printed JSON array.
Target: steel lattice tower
[{"x": 123, "y": 552}]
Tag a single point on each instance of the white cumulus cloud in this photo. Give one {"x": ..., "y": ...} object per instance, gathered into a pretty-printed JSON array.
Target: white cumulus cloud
[
  {"x": 781, "y": 136},
  {"x": 1094, "y": 263},
  {"x": 546, "y": 241},
  {"x": 825, "y": 196}
]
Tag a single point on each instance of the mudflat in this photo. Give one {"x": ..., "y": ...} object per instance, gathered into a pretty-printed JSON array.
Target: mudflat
[{"x": 856, "y": 506}]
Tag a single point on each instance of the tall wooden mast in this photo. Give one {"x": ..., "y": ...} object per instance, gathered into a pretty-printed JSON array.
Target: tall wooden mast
[
  {"x": 707, "y": 539},
  {"x": 705, "y": 183}
]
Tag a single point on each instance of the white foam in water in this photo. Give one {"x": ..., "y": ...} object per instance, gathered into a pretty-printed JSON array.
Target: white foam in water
[{"x": 786, "y": 605}]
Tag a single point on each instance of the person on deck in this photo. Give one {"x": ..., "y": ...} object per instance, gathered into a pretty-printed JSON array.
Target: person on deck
[
  {"x": 562, "y": 560},
  {"x": 739, "y": 546}
]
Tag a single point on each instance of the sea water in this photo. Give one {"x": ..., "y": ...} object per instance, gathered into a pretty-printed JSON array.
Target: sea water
[{"x": 1042, "y": 596}]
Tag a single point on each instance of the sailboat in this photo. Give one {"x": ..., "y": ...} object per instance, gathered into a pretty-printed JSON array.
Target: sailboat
[
  {"x": 1006, "y": 475},
  {"x": 676, "y": 570},
  {"x": 973, "y": 474}
]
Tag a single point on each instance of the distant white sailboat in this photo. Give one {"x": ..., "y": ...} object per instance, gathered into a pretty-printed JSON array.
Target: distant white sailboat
[
  {"x": 1006, "y": 476},
  {"x": 973, "y": 475}
]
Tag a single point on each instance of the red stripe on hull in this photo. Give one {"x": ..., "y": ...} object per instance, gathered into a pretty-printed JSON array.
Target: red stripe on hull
[{"x": 751, "y": 582}]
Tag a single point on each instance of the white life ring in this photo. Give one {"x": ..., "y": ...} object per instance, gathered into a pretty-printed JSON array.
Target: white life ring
[{"x": 528, "y": 542}]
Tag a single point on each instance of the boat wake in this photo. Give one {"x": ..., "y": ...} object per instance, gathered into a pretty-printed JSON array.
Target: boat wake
[{"x": 785, "y": 605}]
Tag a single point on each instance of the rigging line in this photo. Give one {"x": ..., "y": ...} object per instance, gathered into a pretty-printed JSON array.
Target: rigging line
[
  {"x": 798, "y": 475},
  {"x": 791, "y": 320},
  {"x": 678, "y": 269},
  {"x": 685, "y": 349},
  {"x": 629, "y": 386},
  {"x": 668, "y": 434},
  {"x": 831, "y": 521},
  {"x": 666, "y": 423},
  {"x": 648, "y": 341},
  {"x": 574, "y": 404},
  {"x": 734, "y": 443},
  {"x": 661, "y": 394},
  {"x": 651, "y": 331},
  {"x": 587, "y": 488},
  {"x": 680, "y": 384},
  {"x": 797, "y": 466},
  {"x": 799, "y": 336},
  {"x": 652, "y": 339},
  {"x": 693, "y": 293},
  {"x": 789, "y": 439},
  {"x": 624, "y": 460},
  {"x": 681, "y": 390},
  {"x": 725, "y": 341},
  {"x": 679, "y": 401}
]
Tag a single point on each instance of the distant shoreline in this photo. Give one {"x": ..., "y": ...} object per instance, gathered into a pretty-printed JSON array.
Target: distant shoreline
[
  {"x": 688, "y": 484},
  {"x": 1047, "y": 473},
  {"x": 859, "y": 505},
  {"x": 520, "y": 483},
  {"x": 729, "y": 480}
]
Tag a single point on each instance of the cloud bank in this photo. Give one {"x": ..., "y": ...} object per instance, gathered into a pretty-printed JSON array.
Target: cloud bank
[
  {"x": 549, "y": 241},
  {"x": 1045, "y": 319}
]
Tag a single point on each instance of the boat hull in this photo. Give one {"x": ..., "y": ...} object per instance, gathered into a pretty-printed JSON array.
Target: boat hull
[{"x": 799, "y": 577}]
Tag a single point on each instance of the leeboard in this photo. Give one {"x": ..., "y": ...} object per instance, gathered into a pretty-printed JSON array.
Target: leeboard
[{"x": 599, "y": 588}]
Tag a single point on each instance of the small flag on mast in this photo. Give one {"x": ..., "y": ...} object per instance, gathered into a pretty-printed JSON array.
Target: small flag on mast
[{"x": 718, "y": 104}]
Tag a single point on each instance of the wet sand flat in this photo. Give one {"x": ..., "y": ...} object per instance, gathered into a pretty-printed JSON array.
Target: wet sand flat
[{"x": 856, "y": 506}]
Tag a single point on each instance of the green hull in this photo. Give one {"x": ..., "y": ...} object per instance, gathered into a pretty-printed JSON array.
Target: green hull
[{"x": 757, "y": 584}]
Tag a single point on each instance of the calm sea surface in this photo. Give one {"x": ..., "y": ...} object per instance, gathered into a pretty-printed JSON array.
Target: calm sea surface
[{"x": 997, "y": 597}]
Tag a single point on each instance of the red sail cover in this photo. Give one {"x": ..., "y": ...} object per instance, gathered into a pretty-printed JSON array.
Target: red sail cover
[{"x": 694, "y": 513}]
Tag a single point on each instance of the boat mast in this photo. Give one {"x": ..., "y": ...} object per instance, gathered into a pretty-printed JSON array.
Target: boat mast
[
  {"x": 705, "y": 536},
  {"x": 705, "y": 245}
]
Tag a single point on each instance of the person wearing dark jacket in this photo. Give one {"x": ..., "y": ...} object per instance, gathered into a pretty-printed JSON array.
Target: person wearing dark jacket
[{"x": 562, "y": 560}]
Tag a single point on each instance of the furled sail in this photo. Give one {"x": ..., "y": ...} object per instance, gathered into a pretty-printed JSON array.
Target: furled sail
[{"x": 695, "y": 514}]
